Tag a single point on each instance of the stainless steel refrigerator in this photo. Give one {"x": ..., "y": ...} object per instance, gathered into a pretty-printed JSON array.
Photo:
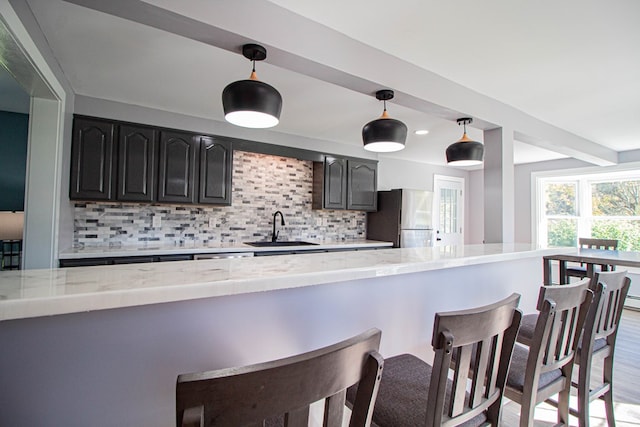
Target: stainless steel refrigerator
[{"x": 404, "y": 217}]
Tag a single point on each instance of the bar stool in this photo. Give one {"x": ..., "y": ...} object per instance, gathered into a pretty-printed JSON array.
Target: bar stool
[
  {"x": 597, "y": 343},
  {"x": 281, "y": 390},
  {"x": 544, "y": 368},
  {"x": 473, "y": 344}
]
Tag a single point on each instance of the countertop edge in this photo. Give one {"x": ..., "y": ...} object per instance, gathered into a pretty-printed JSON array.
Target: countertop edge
[
  {"x": 152, "y": 250},
  {"x": 11, "y": 309}
]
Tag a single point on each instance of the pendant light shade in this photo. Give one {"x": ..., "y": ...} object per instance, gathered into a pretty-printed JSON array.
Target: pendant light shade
[
  {"x": 465, "y": 152},
  {"x": 384, "y": 135},
  {"x": 252, "y": 103}
]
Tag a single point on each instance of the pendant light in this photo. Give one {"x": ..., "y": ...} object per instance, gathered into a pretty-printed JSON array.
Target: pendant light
[
  {"x": 384, "y": 135},
  {"x": 465, "y": 152},
  {"x": 252, "y": 103}
]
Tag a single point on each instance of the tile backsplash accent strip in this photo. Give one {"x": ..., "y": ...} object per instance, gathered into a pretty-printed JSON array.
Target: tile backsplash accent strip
[{"x": 262, "y": 184}]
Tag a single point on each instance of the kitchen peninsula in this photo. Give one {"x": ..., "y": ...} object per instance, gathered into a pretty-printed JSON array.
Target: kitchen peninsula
[{"x": 103, "y": 345}]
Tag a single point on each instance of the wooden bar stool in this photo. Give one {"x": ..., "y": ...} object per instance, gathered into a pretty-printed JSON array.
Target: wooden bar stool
[
  {"x": 598, "y": 341},
  {"x": 544, "y": 368},
  {"x": 475, "y": 346},
  {"x": 283, "y": 390}
]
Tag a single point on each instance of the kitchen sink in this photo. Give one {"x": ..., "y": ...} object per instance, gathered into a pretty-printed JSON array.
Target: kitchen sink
[{"x": 281, "y": 243}]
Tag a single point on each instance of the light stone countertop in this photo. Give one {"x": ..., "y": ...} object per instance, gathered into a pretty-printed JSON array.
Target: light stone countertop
[
  {"x": 34, "y": 293},
  {"x": 154, "y": 248}
]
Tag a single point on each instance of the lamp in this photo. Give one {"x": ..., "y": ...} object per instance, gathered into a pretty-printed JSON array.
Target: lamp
[
  {"x": 252, "y": 103},
  {"x": 465, "y": 152},
  {"x": 384, "y": 134}
]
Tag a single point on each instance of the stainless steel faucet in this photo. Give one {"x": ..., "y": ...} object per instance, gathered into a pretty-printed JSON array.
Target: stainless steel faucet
[{"x": 274, "y": 234}]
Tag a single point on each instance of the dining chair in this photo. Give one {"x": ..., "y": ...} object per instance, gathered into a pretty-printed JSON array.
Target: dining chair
[
  {"x": 544, "y": 367},
  {"x": 475, "y": 347},
  {"x": 580, "y": 271},
  {"x": 281, "y": 391},
  {"x": 598, "y": 341}
]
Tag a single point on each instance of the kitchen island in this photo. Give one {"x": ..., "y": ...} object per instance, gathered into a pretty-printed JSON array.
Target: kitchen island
[{"x": 103, "y": 345}]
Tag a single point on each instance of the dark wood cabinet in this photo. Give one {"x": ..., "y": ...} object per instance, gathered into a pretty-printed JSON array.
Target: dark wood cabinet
[
  {"x": 362, "y": 182},
  {"x": 216, "y": 162},
  {"x": 177, "y": 167},
  {"x": 340, "y": 183},
  {"x": 92, "y": 154},
  {"x": 137, "y": 163},
  {"x": 335, "y": 183}
]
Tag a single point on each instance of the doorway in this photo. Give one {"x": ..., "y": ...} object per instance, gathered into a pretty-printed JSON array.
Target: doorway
[
  {"x": 24, "y": 57},
  {"x": 449, "y": 208}
]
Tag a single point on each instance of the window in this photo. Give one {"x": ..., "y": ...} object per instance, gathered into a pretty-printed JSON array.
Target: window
[{"x": 603, "y": 206}]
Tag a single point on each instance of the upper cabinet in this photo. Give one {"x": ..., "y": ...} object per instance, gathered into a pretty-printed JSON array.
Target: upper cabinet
[
  {"x": 362, "y": 182},
  {"x": 340, "y": 183},
  {"x": 216, "y": 160},
  {"x": 137, "y": 163},
  {"x": 177, "y": 172},
  {"x": 92, "y": 153},
  {"x": 130, "y": 162}
]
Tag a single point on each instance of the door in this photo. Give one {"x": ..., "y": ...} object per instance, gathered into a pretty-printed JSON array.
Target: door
[
  {"x": 449, "y": 209},
  {"x": 215, "y": 170},
  {"x": 137, "y": 158},
  {"x": 92, "y": 160},
  {"x": 177, "y": 171},
  {"x": 362, "y": 184},
  {"x": 335, "y": 183}
]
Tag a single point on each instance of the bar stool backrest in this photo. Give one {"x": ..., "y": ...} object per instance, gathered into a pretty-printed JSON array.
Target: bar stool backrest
[{"x": 284, "y": 389}]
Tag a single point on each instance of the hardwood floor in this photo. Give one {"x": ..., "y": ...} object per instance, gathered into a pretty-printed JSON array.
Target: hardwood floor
[{"x": 626, "y": 384}]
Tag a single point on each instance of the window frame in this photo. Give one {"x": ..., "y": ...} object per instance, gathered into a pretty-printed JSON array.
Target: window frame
[{"x": 584, "y": 179}]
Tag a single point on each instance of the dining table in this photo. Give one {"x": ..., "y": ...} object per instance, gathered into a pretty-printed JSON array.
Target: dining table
[{"x": 605, "y": 258}]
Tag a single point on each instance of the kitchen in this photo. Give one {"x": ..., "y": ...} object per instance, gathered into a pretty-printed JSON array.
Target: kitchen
[{"x": 50, "y": 229}]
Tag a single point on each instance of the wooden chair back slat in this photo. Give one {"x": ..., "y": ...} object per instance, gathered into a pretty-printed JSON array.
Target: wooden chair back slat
[
  {"x": 252, "y": 394},
  {"x": 460, "y": 375},
  {"x": 481, "y": 369}
]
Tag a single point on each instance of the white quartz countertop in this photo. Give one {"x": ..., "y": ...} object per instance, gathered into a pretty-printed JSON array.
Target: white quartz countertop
[
  {"x": 151, "y": 248},
  {"x": 34, "y": 293}
]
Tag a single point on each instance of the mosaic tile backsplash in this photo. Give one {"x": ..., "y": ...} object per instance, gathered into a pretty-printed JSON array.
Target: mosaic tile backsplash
[{"x": 262, "y": 184}]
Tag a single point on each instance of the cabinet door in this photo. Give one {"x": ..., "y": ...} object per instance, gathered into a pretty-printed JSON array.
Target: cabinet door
[
  {"x": 216, "y": 157},
  {"x": 92, "y": 153},
  {"x": 362, "y": 184},
  {"x": 335, "y": 183},
  {"x": 177, "y": 170},
  {"x": 137, "y": 159}
]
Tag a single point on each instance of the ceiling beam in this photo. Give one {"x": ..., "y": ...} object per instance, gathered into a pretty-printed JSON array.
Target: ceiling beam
[{"x": 331, "y": 56}]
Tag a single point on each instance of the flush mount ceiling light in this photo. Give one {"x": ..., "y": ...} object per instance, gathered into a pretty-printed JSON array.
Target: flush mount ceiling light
[
  {"x": 465, "y": 152},
  {"x": 252, "y": 103},
  {"x": 384, "y": 135}
]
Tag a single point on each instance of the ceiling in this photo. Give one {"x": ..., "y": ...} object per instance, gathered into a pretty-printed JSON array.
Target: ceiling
[{"x": 572, "y": 65}]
